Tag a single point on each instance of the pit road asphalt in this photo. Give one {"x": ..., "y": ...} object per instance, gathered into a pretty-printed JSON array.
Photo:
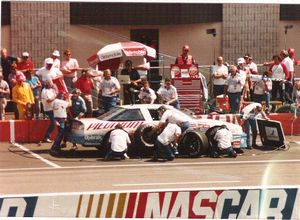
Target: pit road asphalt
[{"x": 29, "y": 169}]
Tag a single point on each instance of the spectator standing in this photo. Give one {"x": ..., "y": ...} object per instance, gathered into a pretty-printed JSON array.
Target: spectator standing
[
  {"x": 12, "y": 82},
  {"x": 262, "y": 89},
  {"x": 168, "y": 136},
  {"x": 76, "y": 111},
  {"x": 250, "y": 113},
  {"x": 288, "y": 62},
  {"x": 109, "y": 88},
  {"x": 296, "y": 96},
  {"x": 35, "y": 85},
  {"x": 220, "y": 74},
  {"x": 26, "y": 65},
  {"x": 6, "y": 63},
  {"x": 291, "y": 52},
  {"x": 135, "y": 81},
  {"x": 185, "y": 58},
  {"x": 168, "y": 94},
  {"x": 119, "y": 140},
  {"x": 86, "y": 86},
  {"x": 233, "y": 88},
  {"x": 147, "y": 95},
  {"x": 47, "y": 72},
  {"x": 250, "y": 64},
  {"x": 60, "y": 106},
  {"x": 244, "y": 72},
  {"x": 224, "y": 140},
  {"x": 48, "y": 95},
  {"x": 56, "y": 61},
  {"x": 69, "y": 67},
  {"x": 22, "y": 94},
  {"x": 279, "y": 74},
  {"x": 4, "y": 92}
]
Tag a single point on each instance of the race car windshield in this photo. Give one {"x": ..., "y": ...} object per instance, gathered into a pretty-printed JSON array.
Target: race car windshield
[{"x": 114, "y": 111}]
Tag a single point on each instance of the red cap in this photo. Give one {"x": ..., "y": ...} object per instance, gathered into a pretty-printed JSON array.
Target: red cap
[
  {"x": 20, "y": 77},
  {"x": 186, "y": 48}
]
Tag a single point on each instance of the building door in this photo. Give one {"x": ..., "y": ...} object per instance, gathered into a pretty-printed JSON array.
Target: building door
[{"x": 149, "y": 37}]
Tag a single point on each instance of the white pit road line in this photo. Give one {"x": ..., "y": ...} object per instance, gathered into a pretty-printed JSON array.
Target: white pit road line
[
  {"x": 177, "y": 183},
  {"x": 36, "y": 155}
]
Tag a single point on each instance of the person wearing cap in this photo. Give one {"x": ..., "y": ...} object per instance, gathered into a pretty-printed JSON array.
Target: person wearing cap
[
  {"x": 288, "y": 62},
  {"x": 60, "y": 105},
  {"x": 233, "y": 88},
  {"x": 279, "y": 75},
  {"x": 26, "y": 65},
  {"x": 291, "y": 52},
  {"x": 86, "y": 86},
  {"x": 69, "y": 67},
  {"x": 250, "y": 64},
  {"x": 6, "y": 63},
  {"x": 119, "y": 141},
  {"x": 185, "y": 58},
  {"x": 47, "y": 72},
  {"x": 109, "y": 88},
  {"x": 135, "y": 81},
  {"x": 76, "y": 111},
  {"x": 56, "y": 61},
  {"x": 168, "y": 95},
  {"x": 219, "y": 74},
  {"x": 4, "y": 93},
  {"x": 244, "y": 72},
  {"x": 48, "y": 95},
  {"x": 22, "y": 94}
]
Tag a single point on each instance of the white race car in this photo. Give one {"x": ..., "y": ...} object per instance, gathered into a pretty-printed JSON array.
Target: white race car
[{"x": 138, "y": 120}]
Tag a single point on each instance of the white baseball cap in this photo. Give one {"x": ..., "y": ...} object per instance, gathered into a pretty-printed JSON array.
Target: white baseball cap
[
  {"x": 56, "y": 53},
  {"x": 25, "y": 54},
  {"x": 240, "y": 60},
  {"x": 49, "y": 61}
]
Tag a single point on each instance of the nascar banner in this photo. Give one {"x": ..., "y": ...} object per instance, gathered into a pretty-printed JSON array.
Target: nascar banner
[{"x": 251, "y": 203}]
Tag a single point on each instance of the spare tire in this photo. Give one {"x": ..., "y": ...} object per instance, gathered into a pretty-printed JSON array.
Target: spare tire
[
  {"x": 144, "y": 138},
  {"x": 193, "y": 143}
]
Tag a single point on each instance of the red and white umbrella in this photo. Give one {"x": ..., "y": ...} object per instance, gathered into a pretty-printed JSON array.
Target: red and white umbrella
[{"x": 112, "y": 55}]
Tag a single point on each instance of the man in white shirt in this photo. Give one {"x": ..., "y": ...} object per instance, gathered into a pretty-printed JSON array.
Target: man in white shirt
[
  {"x": 60, "y": 114},
  {"x": 250, "y": 64},
  {"x": 119, "y": 140},
  {"x": 224, "y": 141},
  {"x": 48, "y": 95},
  {"x": 220, "y": 74},
  {"x": 69, "y": 67},
  {"x": 170, "y": 134},
  {"x": 56, "y": 61},
  {"x": 233, "y": 88},
  {"x": 47, "y": 72},
  {"x": 109, "y": 88},
  {"x": 288, "y": 62},
  {"x": 147, "y": 95},
  {"x": 168, "y": 94}
]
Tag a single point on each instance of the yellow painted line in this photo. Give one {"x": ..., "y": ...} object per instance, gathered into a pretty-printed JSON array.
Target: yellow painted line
[
  {"x": 121, "y": 205},
  {"x": 88, "y": 212},
  {"x": 100, "y": 203},
  {"x": 78, "y": 206},
  {"x": 110, "y": 205}
]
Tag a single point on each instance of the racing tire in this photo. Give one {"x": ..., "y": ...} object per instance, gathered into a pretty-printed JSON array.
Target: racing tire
[
  {"x": 193, "y": 143},
  {"x": 144, "y": 143}
]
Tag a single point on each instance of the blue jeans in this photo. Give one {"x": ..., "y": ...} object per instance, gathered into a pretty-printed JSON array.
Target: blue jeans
[
  {"x": 176, "y": 104},
  {"x": 258, "y": 98},
  {"x": 61, "y": 132},
  {"x": 234, "y": 102},
  {"x": 109, "y": 102},
  {"x": 251, "y": 123},
  {"x": 267, "y": 99},
  {"x": 161, "y": 150},
  {"x": 52, "y": 124}
]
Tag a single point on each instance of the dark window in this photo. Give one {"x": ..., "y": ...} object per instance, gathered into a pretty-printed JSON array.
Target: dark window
[
  {"x": 129, "y": 115},
  {"x": 289, "y": 12},
  {"x": 143, "y": 13},
  {"x": 5, "y": 13},
  {"x": 154, "y": 114}
]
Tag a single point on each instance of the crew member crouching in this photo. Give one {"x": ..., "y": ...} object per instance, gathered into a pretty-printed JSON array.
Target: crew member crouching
[{"x": 224, "y": 140}]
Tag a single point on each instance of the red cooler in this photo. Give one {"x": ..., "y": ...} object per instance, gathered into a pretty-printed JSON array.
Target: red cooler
[{"x": 222, "y": 103}]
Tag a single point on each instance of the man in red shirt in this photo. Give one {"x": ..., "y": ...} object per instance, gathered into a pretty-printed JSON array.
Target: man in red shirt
[
  {"x": 25, "y": 65},
  {"x": 185, "y": 58},
  {"x": 85, "y": 84}
]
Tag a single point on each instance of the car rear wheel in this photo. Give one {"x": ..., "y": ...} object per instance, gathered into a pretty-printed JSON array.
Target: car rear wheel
[{"x": 193, "y": 143}]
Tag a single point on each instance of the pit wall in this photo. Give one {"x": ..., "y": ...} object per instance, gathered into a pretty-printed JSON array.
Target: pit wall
[{"x": 231, "y": 203}]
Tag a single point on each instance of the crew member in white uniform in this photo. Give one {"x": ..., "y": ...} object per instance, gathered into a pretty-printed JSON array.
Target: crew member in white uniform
[
  {"x": 168, "y": 94},
  {"x": 147, "y": 95},
  {"x": 224, "y": 139}
]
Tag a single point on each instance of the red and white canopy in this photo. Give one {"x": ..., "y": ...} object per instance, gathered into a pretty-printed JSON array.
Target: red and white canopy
[{"x": 112, "y": 55}]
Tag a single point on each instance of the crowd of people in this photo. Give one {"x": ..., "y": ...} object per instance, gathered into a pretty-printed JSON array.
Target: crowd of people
[{"x": 34, "y": 93}]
